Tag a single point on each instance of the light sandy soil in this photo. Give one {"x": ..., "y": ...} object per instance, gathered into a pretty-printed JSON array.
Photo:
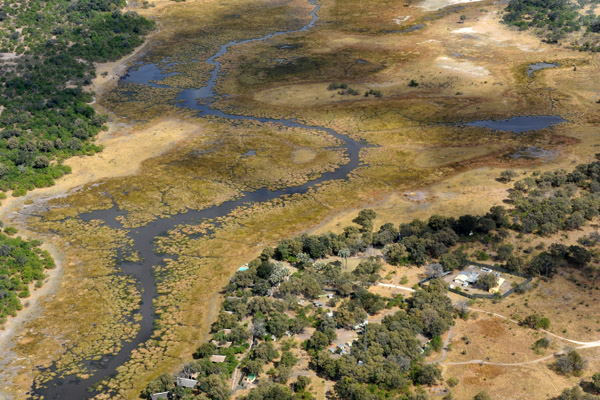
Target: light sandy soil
[
  {"x": 434, "y": 5},
  {"x": 301, "y": 156},
  {"x": 443, "y": 57},
  {"x": 488, "y": 29},
  {"x": 466, "y": 67},
  {"x": 401, "y": 19}
]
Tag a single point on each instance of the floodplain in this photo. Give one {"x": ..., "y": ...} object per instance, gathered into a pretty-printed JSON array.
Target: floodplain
[{"x": 417, "y": 75}]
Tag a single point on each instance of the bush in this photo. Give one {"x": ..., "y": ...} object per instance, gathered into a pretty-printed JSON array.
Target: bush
[
  {"x": 534, "y": 321},
  {"x": 542, "y": 343},
  {"x": 452, "y": 381},
  {"x": 570, "y": 363},
  {"x": 482, "y": 396}
]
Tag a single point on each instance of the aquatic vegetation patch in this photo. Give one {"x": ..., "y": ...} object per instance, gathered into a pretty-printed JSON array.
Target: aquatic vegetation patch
[{"x": 102, "y": 303}]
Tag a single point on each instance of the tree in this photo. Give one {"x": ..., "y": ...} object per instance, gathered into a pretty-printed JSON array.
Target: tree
[
  {"x": 427, "y": 374},
  {"x": 344, "y": 253},
  {"x": 214, "y": 387},
  {"x": 434, "y": 270},
  {"x": 301, "y": 384},
  {"x": 41, "y": 162},
  {"x": 239, "y": 334},
  {"x": 264, "y": 270},
  {"x": 466, "y": 225},
  {"x": 436, "y": 343},
  {"x": 482, "y": 396},
  {"x": 365, "y": 219},
  {"x": 387, "y": 234},
  {"x": 269, "y": 391},
  {"x": 541, "y": 343},
  {"x": 575, "y": 393},
  {"x": 535, "y": 321},
  {"x": 367, "y": 270},
  {"x": 578, "y": 256},
  {"x": 258, "y": 327},
  {"x": 205, "y": 350},
  {"x": 453, "y": 260},
  {"x": 487, "y": 281},
  {"x": 288, "y": 359},
  {"x": 278, "y": 324},
  {"x": 265, "y": 352},
  {"x": 569, "y": 363},
  {"x": 507, "y": 175},
  {"x": 317, "y": 341},
  {"x": 161, "y": 384},
  {"x": 575, "y": 221},
  {"x": 596, "y": 382},
  {"x": 281, "y": 374},
  {"x": 349, "y": 389},
  {"x": 303, "y": 260},
  {"x": 394, "y": 253},
  {"x": 254, "y": 367},
  {"x": 504, "y": 252}
]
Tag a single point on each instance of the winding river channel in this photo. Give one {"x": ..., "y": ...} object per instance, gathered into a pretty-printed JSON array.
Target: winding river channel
[
  {"x": 202, "y": 100},
  {"x": 72, "y": 387}
]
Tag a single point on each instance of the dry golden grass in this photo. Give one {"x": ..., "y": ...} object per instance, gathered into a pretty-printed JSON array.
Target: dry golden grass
[
  {"x": 568, "y": 299},
  {"x": 454, "y": 168},
  {"x": 496, "y": 340}
]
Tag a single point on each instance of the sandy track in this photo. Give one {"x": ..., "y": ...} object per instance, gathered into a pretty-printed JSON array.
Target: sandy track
[{"x": 396, "y": 287}]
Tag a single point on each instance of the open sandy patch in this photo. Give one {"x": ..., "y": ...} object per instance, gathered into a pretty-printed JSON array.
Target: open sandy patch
[
  {"x": 466, "y": 30},
  {"x": 434, "y": 5},
  {"x": 488, "y": 28},
  {"x": 465, "y": 67},
  {"x": 401, "y": 19},
  {"x": 301, "y": 156}
]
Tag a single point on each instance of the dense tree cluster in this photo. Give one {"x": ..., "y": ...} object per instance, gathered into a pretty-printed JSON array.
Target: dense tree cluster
[
  {"x": 388, "y": 355},
  {"x": 265, "y": 302},
  {"x": 44, "y": 115},
  {"x": 22, "y": 263},
  {"x": 555, "y": 19},
  {"x": 289, "y": 288}
]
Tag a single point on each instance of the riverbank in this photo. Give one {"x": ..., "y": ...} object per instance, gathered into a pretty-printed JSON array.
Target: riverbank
[
  {"x": 200, "y": 168},
  {"x": 124, "y": 150},
  {"x": 31, "y": 309}
]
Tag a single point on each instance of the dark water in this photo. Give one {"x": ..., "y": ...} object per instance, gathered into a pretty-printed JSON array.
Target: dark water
[
  {"x": 143, "y": 237},
  {"x": 538, "y": 66},
  {"x": 519, "y": 124},
  {"x": 147, "y": 74},
  {"x": 534, "y": 152}
]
